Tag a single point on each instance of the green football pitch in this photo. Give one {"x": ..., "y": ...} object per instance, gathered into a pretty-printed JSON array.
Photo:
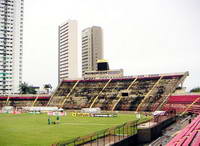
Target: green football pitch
[{"x": 33, "y": 129}]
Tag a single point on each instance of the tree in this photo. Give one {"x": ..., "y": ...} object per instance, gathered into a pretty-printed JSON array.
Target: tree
[
  {"x": 47, "y": 87},
  {"x": 32, "y": 90},
  {"x": 197, "y": 89},
  {"x": 24, "y": 88}
]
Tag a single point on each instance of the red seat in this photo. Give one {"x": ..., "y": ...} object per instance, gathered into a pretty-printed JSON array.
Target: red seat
[{"x": 187, "y": 135}]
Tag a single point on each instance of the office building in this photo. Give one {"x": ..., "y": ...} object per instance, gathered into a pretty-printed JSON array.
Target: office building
[
  {"x": 11, "y": 44},
  {"x": 92, "y": 48},
  {"x": 67, "y": 50}
]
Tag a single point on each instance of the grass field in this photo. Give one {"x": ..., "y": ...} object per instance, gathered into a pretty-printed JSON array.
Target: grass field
[{"x": 32, "y": 129}]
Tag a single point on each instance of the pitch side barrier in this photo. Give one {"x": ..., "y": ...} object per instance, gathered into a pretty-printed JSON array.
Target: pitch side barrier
[
  {"x": 106, "y": 136},
  {"x": 78, "y": 114}
]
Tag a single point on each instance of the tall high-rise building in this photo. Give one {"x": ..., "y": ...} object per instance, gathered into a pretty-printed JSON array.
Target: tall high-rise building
[
  {"x": 92, "y": 48},
  {"x": 11, "y": 44},
  {"x": 67, "y": 50}
]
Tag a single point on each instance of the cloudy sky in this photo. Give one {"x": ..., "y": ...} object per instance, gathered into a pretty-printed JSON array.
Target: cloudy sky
[{"x": 140, "y": 36}]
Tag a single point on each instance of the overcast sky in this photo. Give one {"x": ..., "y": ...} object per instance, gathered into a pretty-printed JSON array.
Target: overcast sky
[{"x": 140, "y": 36}]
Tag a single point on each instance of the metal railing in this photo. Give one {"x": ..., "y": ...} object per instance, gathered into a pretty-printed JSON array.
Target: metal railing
[{"x": 106, "y": 136}]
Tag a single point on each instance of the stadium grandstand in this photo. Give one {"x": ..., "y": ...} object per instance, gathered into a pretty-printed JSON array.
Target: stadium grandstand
[
  {"x": 133, "y": 93},
  {"x": 137, "y": 93},
  {"x": 24, "y": 100},
  {"x": 189, "y": 102}
]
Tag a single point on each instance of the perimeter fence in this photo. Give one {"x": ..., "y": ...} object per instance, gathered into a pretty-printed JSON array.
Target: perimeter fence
[{"x": 107, "y": 136}]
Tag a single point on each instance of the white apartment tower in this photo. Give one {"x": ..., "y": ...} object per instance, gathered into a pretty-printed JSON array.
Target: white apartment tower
[
  {"x": 67, "y": 50},
  {"x": 92, "y": 48},
  {"x": 11, "y": 44}
]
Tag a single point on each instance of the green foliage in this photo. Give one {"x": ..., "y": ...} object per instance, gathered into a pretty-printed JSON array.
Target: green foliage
[
  {"x": 197, "y": 89},
  {"x": 33, "y": 129},
  {"x": 26, "y": 89},
  {"x": 47, "y": 87}
]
